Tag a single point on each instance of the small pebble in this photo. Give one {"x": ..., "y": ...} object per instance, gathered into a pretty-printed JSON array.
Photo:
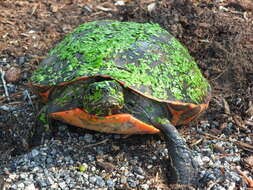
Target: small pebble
[
  {"x": 21, "y": 60},
  {"x": 110, "y": 183},
  {"x": 99, "y": 181},
  {"x": 21, "y": 185},
  {"x": 120, "y": 3},
  {"x": 88, "y": 138},
  {"x": 12, "y": 74},
  {"x": 205, "y": 159},
  {"x": 34, "y": 153},
  {"x": 217, "y": 148},
  {"x": 30, "y": 187},
  {"x": 138, "y": 170},
  {"x": 132, "y": 184},
  {"x": 62, "y": 185},
  {"x": 145, "y": 186},
  {"x": 92, "y": 179},
  {"x": 123, "y": 180}
]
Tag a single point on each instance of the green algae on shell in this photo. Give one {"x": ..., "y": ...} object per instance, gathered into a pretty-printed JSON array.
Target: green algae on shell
[{"x": 142, "y": 56}]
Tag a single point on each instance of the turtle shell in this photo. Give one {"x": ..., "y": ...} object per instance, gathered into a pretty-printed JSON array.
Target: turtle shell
[{"x": 142, "y": 57}]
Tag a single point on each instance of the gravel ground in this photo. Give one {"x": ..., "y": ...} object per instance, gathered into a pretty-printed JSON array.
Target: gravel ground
[
  {"x": 98, "y": 161},
  {"x": 80, "y": 162}
]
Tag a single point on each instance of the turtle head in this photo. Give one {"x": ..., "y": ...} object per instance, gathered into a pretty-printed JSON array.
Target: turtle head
[{"x": 103, "y": 98}]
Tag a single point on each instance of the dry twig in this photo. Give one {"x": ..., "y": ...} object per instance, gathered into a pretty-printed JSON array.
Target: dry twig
[
  {"x": 243, "y": 145},
  {"x": 95, "y": 144},
  {"x": 4, "y": 84},
  {"x": 27, "y": 95},
  {"x": 245, "y": 177}
]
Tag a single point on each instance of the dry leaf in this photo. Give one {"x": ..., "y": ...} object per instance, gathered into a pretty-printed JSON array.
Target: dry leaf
[
  {"x": 107, "y": 166},
  {"x": 249, "y": 123},
  {"x": 238, "y": 121},
  {"x": 250, "y": 109},
  {"x": 114, "y": 147},
  {"x": 215, "y": 131},
  {"x": 248, "y": 180},
  {"x": 245, "y": 4},
  {"x": 249, "y": 160},
  {"x": 226, "y": 106}
]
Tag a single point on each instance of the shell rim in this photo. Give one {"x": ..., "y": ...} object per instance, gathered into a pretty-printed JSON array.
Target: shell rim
[{"x": 205, "y": 99}]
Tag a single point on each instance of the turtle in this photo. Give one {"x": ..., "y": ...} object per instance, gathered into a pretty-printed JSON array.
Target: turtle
[{"x": 123, "y": 78}]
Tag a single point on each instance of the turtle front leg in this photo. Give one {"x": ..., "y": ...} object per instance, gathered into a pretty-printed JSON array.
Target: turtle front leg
[
  {"x": 42, "y": 129},
  {"x": 182, "y": 167}
]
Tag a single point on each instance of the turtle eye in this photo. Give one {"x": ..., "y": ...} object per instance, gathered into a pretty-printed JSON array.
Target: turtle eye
[{"x": 116, "y": 86}]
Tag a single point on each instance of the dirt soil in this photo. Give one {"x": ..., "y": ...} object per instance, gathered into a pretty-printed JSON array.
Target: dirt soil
[{"x": 218, "y": 34}]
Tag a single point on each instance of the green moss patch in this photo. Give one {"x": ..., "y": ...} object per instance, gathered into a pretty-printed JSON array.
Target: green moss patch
[{"x": 143, "y": 56}]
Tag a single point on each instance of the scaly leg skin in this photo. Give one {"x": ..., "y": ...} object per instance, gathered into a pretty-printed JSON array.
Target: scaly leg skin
[
  {"x": 42, "y": 129},
  {"x": 182, "y": 167}
]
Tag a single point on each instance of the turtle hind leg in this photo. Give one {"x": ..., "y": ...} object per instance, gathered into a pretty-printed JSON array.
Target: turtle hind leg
[{"x": 182, "y": 167}]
